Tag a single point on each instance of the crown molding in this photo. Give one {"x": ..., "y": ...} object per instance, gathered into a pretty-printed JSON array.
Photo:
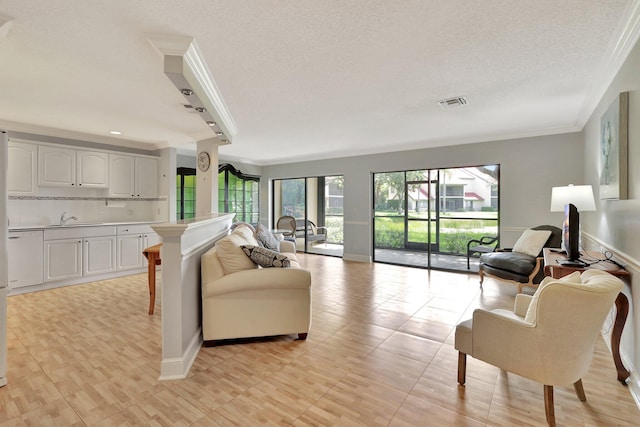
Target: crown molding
[{"x": 618, "y": 51}]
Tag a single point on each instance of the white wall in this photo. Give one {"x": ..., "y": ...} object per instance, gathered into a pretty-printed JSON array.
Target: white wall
[
  {"x": 529, "y": 168},
  {"x": 615, "y": 225}
]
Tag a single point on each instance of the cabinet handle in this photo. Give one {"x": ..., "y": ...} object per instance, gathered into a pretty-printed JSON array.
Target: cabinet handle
[
  {"x": 79, "y": 184},
  {"x": 13, "y": 237}
]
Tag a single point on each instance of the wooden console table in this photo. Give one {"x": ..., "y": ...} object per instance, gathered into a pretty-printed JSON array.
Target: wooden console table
[
  {"x": 553, "y": 268},
  {"x": 152, "y": 254}
]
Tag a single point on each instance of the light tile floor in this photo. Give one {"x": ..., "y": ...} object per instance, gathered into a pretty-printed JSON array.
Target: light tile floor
[{"x": 380, "y": 352}]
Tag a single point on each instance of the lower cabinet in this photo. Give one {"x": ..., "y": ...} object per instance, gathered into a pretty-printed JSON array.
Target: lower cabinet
[
  {"x": 62, "y": 259},
  {"x": 130, "y": 251},
  {"x": 99, "y": 255},
  {"x": 132, "y": 240}
]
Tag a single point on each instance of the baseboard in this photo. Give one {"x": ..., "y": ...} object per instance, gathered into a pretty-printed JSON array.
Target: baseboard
[
  {"x": 356, "y": 257},
  {"x": 177, "y": 368}
]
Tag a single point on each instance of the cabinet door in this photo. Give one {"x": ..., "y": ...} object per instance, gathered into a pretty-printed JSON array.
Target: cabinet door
[
  {"x": 25, "y": 258},
  {"x": 146, "y": 177},
  {"x": 22, "y": 173},
  {"x": 62, "y": 259},
  {"x": 92, "y": 169},
  {"x": 99, "y": 255},
  {"x": 121, "y": 175},
  {"x": 56, "y": 167},
  {"x": 129, "y": 253}
]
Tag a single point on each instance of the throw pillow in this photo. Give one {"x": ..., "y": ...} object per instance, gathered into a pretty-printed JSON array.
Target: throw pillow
[
  {"x": 265, "y": 257},
  {"x": 533, "y": 305},
  {"x": 531, "y": 242},
  {"x": 266, "y": 239}
]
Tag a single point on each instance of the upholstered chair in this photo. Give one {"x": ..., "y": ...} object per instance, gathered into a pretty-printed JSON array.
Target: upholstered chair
[
  {"x": 522, "y": 265},
  {"x": 548, "y": 337}
]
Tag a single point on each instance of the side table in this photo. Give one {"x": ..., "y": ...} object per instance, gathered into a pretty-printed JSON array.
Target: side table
[
  {"x": 152, "y": 254},
  {"x": 553, "y": 268}
]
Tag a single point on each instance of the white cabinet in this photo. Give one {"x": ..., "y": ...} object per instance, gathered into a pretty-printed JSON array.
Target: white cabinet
[
  {"x": 92, "y": 169},
  {"x": 121, "y": 175},
  {"x": 56, "y": 166},
  {"x": 22, "y": 172},
  {"x": 132, "y": 176},
  {"x": 66, "y": 167},
  {"x": 98, "y": 255},
  {"x": 129, "y": 251},
  {"x": 62, "y": 259},
  {"x": 25, "y": 258},
  {"x": 132, "y": 240},
  {"x": 146, "y": 184}
]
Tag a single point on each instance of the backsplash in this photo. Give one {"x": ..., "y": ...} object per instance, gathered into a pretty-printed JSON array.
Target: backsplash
[{"x": 44, "y": 210}]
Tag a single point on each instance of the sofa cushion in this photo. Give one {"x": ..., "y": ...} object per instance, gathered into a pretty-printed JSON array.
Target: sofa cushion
[
  {"x": 266, "y": 239},
  {"x": 231, "y": 254},
  {"x": 515, "y": 262},
  {"x": 266, "y": 257},
  {"x": 531, "y": 242},
  {"x": 530, "y": 317}
]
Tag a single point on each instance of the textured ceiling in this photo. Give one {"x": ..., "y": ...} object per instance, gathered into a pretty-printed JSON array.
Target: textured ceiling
[{"x": 311, "y": 79}]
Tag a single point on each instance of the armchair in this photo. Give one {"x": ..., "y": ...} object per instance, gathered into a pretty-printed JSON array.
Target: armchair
[
  {"x": 483, "y": 245},
  {"x": 548, "y": 337},
  {"x": 521, "y": 268},
  {"x": 287, "y": 223},
  {"x": 314, "y": 234}
]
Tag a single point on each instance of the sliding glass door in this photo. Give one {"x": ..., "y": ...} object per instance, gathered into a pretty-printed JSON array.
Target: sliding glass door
[
  {"x": 425, "y": 218},
  {"x": 316, "y": 205}
]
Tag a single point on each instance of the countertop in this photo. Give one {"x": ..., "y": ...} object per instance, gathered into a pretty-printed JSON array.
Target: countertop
[{"x": 74, "y": 224}]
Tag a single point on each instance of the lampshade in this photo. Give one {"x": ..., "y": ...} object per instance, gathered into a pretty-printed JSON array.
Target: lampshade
[{"x": 579, "y": 195}]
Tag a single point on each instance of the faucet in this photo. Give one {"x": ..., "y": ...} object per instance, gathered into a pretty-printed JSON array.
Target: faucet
[{"x": 63, "y": 220}]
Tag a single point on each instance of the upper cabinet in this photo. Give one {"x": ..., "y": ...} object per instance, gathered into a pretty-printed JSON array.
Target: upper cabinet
[
  {"x": 92, "y": 169},
  {"x": 146, "y": 177},
  {"x": 56, "y": 167},
  {"x": 66, "y": 167},
  {"x": 132, "y": 176},
  {"x": 22, "y": 172}
]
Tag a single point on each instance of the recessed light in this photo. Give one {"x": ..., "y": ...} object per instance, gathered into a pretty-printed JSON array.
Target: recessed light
[
  {"x": 186, "y": 92},
  {"x": 201, "y": 109},
  {"x": 211, "y": 123},
  {"x": 115, "y": 132},
  {"x": 219, "y": 133}
]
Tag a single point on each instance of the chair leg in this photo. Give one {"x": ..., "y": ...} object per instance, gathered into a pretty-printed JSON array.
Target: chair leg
[
  {"x": 481, "y": 277},
  {"x": 580, "y": 390},
  {"x": 302, "y": 336},
  {"x": 548, "y": 405},
  {"x": 462, "y": 368}
]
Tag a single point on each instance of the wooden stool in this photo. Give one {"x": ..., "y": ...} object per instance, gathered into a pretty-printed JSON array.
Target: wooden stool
[{"x": 152, "y": 254}]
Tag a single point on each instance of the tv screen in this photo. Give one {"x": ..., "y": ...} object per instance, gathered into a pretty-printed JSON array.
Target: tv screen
[{"x": 571, "y": 232}]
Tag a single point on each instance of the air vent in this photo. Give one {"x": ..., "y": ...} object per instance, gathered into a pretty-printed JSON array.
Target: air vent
[{"x": 458, "y": 101}]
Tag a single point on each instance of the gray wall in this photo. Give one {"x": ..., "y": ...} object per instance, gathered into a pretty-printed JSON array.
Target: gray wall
[
  {"x": 529, "y": 168},
  {"x": 615, "y": 226}
]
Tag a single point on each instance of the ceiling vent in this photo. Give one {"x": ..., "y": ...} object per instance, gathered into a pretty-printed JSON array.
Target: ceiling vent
[{"x": 458, "y": 101}]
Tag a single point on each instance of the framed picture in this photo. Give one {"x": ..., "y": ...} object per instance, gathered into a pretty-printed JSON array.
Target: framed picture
[{"x": 613, "y": 149}]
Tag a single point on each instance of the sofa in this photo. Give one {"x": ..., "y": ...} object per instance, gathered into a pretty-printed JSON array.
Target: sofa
[{"x": 242, "y": 299}]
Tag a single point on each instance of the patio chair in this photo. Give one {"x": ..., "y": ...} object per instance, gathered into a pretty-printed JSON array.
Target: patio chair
[
  {"x": 287, "y": 223},
  {"x": 480, "y": 246}
]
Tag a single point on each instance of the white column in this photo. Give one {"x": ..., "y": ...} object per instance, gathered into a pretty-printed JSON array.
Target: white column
[
  {"x": 207, "y": 181},
  {"x": 183, "y": 244}
]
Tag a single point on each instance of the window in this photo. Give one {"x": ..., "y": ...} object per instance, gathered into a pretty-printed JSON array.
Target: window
[
  {"x": 239, "y": 193},
  {"x": 186, "y": 193}
]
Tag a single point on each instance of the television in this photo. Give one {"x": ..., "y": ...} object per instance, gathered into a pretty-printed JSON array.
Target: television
[{"x": 571, "y": 233}]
